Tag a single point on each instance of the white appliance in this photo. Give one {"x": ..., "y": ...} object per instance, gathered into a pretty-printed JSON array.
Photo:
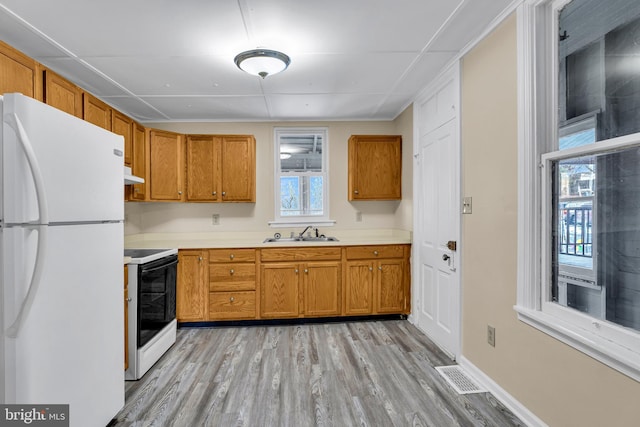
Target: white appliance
[
  {"x": 61, "y": 289},
  {"x": 152, "y": 307}
]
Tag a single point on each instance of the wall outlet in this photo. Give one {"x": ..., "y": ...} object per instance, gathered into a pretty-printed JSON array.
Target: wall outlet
[
  {"x": 358, "y": 216},
  {"x": 491, "y": 335},
  {"x": 215, "y": 219}
]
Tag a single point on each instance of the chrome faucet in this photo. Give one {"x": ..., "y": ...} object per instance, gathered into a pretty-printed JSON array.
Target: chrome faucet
[{"x": 305, "y": 230}]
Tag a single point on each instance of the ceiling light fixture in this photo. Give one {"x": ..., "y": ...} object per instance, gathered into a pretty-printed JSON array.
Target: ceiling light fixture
[{"x": 262, "y": 62}]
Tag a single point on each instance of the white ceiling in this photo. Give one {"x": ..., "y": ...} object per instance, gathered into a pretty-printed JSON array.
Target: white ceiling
[{"x": 170, "y": 60}]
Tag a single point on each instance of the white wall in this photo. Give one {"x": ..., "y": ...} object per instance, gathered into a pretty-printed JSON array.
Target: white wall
[{"x": 196, "y": 217}]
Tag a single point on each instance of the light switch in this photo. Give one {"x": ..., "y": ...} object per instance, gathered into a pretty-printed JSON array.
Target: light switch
[{"x": 466, "y": 205}]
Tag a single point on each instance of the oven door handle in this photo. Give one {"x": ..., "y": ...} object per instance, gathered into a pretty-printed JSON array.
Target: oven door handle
[{"x": 160, "y": 267}]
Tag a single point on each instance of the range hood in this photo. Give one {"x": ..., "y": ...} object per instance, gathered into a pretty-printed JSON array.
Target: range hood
[{"x": 131, "y": 179}]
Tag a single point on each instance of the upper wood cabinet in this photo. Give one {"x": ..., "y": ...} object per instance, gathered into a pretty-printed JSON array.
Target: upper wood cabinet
[
  {"x": 203, "y": 168},
  {"x": 123, "y": 125},
  {"x": 139, "y": 163},
  {"x": 19, "y": 73},
  {"x": 221, "y": 168},
  {"x": 95, "y": 111},
  {"x": 62, "y": 94},
  {"x": 375, "y": 167},
  {"x": 238, "y": 168},
  {"x": 166, "y": 166}
]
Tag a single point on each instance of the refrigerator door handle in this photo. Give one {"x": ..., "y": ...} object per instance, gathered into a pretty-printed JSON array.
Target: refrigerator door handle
[
  {"x": 43, "y": 210},
  {"x": 13, "y": 121}
]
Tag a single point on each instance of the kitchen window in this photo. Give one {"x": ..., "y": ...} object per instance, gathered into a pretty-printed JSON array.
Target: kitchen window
[
  {"x": 579, "y": 176},
  {"x": 301, "y": 176}
]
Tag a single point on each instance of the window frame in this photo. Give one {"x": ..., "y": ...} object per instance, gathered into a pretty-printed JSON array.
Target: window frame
[
  {"x": 298, "y": 220},
  {"x": 613, "y": 345}
]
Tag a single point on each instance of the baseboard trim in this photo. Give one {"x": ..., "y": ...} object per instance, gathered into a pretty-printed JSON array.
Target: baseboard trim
[{"x": 518, "y": 409}]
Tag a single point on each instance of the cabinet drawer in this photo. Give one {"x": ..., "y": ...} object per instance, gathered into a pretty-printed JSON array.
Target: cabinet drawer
[
  {"x": 232, "y": 255},
  {"x": 368, "y": 252},
  {"x": 300, "y": 254},
  {"x": 232, "y": 305},
  {"x": 232, "y": 272}
]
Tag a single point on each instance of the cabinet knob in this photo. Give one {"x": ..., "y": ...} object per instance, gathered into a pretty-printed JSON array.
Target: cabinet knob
[
  {"x": 355, "y": 192},
  {"x": 214, "y": 193},
  {"x": 224, "y": 193},
  {"x": 232, "y": 299},
  {"x": 180, "y": 193},
  {"x": 370, "y": 268},
  {"x": 231, "y": 256},
  {"x": 375, "y": 253},
  {"x": 380, "y": 268},
  {"x": 200, "y": 258},
  {"x": 296, "y": 271},
  {"x": 306, "y": 271},
  {"x": 231, "y": 271},
  {"x": 129, "y": 299}
]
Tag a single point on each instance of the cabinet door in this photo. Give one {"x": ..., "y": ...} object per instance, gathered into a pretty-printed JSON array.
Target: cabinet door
[
  {"x": 191, "y": 287},
  {"x": 166, "y": 176},
  {"x": 139, "y": 162},
  {"x": 203, "y": 168},
  {"x": 95, "y": 111},
  {"x": 279, "y": 290},
  {"x": 375, "y": 167},
  {"x": 62, "y": 94},
  {"x": 238, "y": 169},
  {"x": 123, "y": 125},
  {"x": 390, "y": 289},
  {"x": 358, "y": 290},
  {"x": 321, "y": 284},
  {"x": 19, "y": 73}
]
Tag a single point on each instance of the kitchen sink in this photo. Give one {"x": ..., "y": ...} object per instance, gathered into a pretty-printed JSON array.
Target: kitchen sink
[{"x": 300, "y": 239}]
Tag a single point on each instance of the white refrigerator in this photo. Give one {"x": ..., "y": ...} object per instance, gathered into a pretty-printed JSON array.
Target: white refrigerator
[{"x": 61, "y": 252}]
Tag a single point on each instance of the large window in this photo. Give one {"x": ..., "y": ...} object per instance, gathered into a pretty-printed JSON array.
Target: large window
[
  {"x": 579, "y": 211},
  {"x": 301, "y": 176}
]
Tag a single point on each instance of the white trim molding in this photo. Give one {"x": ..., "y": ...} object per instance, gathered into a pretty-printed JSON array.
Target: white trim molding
[{"x": 510, "y": 402}]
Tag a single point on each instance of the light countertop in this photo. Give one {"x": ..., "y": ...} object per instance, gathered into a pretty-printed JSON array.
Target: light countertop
[{"x": 256, "y": 239}]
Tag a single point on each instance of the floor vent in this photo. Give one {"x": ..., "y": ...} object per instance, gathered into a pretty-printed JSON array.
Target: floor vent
[{"x": 459, "y": 380}]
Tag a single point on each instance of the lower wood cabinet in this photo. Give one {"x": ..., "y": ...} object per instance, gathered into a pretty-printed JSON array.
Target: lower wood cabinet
[
  {"x": 301, "y": 282},
  {"x": 232, "y": 284},
  {"x": 281, "y": 283},
  {"x": 191, "y": 283},
  {"x": 377, "y": 280}
]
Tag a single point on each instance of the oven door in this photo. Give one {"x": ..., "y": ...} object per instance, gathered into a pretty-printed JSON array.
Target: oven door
[{"x": 156, "y": 297}]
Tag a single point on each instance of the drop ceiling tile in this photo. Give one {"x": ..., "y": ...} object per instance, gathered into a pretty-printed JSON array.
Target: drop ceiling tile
[
  {"x": 340, "y": 73},
  {"x": 334, "y": 26},
  {"x": 85, "y": 77},
  {"x": 469, "y": 22},
  {"x": 179, "y": 75},
  {"x": 210, "y": 108},
  {"x": 331, "y": 107},
  {"x": 135, "y": 108},
  {"x": 140, "y": 27},
  {"x": 423, "y": 71}
]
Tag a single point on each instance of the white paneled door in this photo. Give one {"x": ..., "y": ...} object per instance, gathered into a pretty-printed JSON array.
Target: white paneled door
[{"x": 437, "y": 219}]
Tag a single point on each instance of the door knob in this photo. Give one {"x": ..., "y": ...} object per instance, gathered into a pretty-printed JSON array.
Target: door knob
[{"x": 445, "y": 257}]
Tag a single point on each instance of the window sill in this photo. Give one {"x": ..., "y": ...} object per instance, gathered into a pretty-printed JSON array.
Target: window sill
[
  {"x": 611, "y": 354},
  {"x": 300, "y": 222}
]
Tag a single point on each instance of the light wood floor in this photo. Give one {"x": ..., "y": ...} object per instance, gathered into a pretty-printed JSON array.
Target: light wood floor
[{"x": 332, "y": 374}]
